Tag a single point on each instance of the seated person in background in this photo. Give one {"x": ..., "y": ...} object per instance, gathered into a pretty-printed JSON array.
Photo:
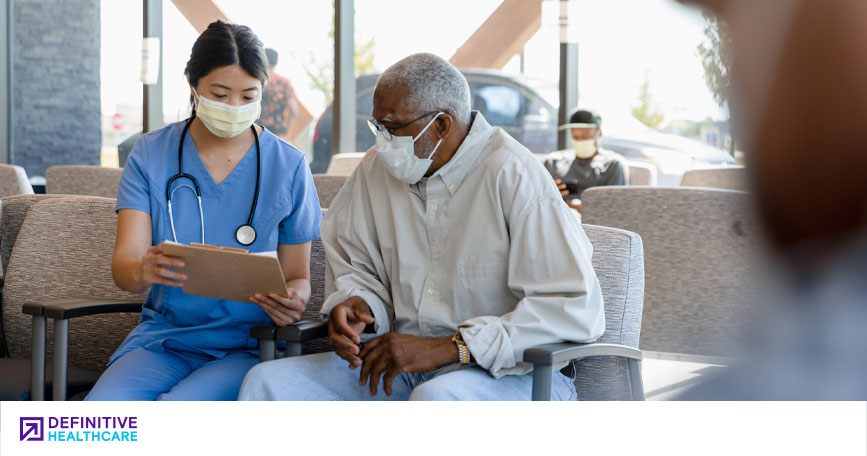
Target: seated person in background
[
  {"x": 587, "y": 164},
  {"x": 454, "y": 246}
]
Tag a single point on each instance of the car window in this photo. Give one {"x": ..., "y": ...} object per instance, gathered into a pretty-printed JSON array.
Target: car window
[
  {"x": 364, "y": 103},
  {"x": 537, "y": 107},
  {"x": 501, "y": 105}
]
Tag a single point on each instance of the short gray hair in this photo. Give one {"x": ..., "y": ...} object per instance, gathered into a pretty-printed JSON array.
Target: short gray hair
[{"x": 433, "y": 83}]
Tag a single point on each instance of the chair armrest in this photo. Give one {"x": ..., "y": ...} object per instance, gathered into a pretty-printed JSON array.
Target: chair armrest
[
  {"x": 303, "y": 331},
  {"x": 543, "y": 357},
  {"x": 294, "y": 335},
  {"x": 263, "y": 332},
  {"x": 556, "y": 353},
  {"x": 64, "y": 309}
]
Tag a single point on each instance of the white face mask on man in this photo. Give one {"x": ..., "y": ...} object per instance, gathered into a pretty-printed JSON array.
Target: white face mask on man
[
  {"x": 398, "y": 155},
  {"x": 225, "y": 120},
  {"x": 585, "y": 149}
]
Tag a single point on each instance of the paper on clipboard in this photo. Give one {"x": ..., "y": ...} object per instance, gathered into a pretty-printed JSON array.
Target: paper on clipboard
[{"x": 225, "y": 273}]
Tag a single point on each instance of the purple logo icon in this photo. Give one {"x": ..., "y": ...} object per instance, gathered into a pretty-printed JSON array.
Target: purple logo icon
[{"x": 31, "y": 428}]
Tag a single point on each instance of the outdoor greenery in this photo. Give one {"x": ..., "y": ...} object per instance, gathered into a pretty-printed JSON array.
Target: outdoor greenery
[
  {"x": 716, "y": 58},
  {"x": 320, "y": 66},
  {"x": 647, "y": 110}
]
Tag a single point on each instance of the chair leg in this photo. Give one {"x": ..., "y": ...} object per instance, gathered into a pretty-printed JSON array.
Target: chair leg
[
  {"x": 37, "y": 360},
  {"x": 293, "y": 349},
  {"x": 61, "y": 349},
  {"x": 637, "y": 383},
  {"x": 542, "y": 377},
  {"x": 266, "y": 350}
]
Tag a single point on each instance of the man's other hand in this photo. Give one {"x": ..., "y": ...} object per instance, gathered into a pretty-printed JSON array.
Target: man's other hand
[{"x": 345, "y": 325}]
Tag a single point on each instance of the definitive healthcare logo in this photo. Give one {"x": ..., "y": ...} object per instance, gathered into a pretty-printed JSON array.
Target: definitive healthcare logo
[{"x": 79, "y": 429}]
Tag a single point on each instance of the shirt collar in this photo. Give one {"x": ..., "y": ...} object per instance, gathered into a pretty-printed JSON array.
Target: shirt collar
[{"x": 453, "y": 172}]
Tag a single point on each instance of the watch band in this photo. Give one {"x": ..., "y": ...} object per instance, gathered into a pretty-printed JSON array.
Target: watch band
[{"x": 463, "y": 351}]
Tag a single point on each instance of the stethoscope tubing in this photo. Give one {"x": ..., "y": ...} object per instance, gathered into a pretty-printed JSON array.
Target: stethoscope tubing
[{"x": 182, "y": 175}]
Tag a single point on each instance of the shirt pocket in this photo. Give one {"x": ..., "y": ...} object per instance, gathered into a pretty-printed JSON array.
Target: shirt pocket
[{"x": 481, "y": 289}]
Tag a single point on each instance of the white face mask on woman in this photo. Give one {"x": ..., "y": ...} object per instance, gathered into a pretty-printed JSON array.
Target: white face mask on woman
[
  {"x": 225, "y": 120},
  {"x": 398, "y": 155}
]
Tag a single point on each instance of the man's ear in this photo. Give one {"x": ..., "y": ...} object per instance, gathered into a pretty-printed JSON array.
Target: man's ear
[{"x": 444, "y": 124}]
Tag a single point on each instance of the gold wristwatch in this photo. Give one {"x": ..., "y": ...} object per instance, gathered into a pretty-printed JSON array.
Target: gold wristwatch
[{"x": 463, "y": 351}]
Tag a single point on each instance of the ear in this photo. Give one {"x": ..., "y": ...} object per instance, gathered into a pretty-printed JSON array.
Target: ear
[
  {"x": 444, "y": 124},
  {"x": 598, "y": 132}
]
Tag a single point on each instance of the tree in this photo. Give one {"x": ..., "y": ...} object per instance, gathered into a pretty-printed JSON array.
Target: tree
[
  {"x": 320, "y": 67},
  {"x": 716, "y": 58},
  {"x": 647, "y": 110}
]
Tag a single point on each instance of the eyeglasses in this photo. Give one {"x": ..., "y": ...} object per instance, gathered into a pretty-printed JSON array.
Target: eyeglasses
[{"x": 388, "y": 133}]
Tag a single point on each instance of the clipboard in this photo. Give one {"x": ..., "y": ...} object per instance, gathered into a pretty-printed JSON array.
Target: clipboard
[{"x": 226, "y": 273}]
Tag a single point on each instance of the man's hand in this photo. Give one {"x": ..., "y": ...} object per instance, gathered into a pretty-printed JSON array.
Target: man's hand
[
  {"x": 394, "y": 353},
  {"x": 562, "y": 187},
  {"x": 345, "y": 325}
]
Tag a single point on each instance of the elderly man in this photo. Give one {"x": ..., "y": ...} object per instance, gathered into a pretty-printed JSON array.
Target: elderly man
[{"x": 452, "y": 245}]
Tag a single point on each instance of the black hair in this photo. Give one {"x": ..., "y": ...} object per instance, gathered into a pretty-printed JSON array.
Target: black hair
[
  {"x": 223, "y": 44},
  {"x": 272, "y": 57}
]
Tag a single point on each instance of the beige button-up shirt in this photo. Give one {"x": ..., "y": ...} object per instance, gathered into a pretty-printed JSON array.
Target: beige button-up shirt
[{"x": 486, "y": 245}]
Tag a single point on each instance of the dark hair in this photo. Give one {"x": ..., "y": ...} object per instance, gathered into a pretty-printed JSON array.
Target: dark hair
[
  {"x": 223, "y": 44},
  {"x": 272, "y": 57}
]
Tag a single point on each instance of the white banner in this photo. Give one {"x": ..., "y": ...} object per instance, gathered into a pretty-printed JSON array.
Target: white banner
[{"x": 670, "y": 428}]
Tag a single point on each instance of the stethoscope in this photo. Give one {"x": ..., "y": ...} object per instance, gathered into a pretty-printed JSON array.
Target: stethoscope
[{"x": 245, "y": 234}]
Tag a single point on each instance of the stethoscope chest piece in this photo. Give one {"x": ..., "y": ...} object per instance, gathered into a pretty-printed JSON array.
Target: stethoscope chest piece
[{"x": 245, "y": 235}]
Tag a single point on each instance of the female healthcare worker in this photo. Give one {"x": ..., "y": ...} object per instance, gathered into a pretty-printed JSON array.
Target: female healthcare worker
[{"x": 256, "y": 193}]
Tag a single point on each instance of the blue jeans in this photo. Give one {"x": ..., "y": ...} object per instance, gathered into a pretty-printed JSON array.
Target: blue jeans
[
  {"x": 325, "y": 376},
  {"x": 145, "y": 375}
]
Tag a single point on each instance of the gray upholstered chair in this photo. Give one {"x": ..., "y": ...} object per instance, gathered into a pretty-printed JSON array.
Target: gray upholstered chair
[
  {"x": 734, "y": 178},
  {"x": 13, "y": 181},
  {"x": 327, "y": 186},
  {"x": 345, "y": 163},
  {"x": 642, "y": 174},
  {"x": 61, "y": 260},
  {"x": 83, "y": 180},
  {"x": 13, "y": 209},
  {"x": 701, "y": 258},
  {"x": 607, "y": 369}
]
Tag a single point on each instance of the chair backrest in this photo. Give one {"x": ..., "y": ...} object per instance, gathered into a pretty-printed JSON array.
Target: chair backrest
[
  {"x": 13, "y": 209},
  {"x": 327, "y": 187},
  {"x": 63, "y": 250},
  {"x": 318, "y": 278},
  {"x": 701, "y": 257},
  {"x": 12, "y": 212},
  {"x": 345, "y": 163},
  {"x": 642, "y": 174},
  {"x": 13, "y": 181},
  {"x": 83, "y": 180},
  {"x": 618, "y": 260},
  {"x": 725, "y": 178}
]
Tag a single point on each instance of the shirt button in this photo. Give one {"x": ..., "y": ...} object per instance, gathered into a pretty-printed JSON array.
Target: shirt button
[
  {"x": 436, "y": 250},
  {"x": 435, "y": 207},
  {"x": 428, "y": 330},
  {"x": 431, "y": 292},
  {"x": 451, "y": 188}
]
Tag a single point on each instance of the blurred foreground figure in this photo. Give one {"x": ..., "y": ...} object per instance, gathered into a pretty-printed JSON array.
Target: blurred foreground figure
[{"x": 800, "y": 102}]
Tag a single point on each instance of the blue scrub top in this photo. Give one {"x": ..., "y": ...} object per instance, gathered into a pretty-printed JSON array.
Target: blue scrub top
[{"x": 288, "y": 212}]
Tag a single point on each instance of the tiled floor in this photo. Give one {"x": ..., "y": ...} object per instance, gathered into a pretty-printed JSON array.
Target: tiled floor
[{"x": 666, "y": 375}]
